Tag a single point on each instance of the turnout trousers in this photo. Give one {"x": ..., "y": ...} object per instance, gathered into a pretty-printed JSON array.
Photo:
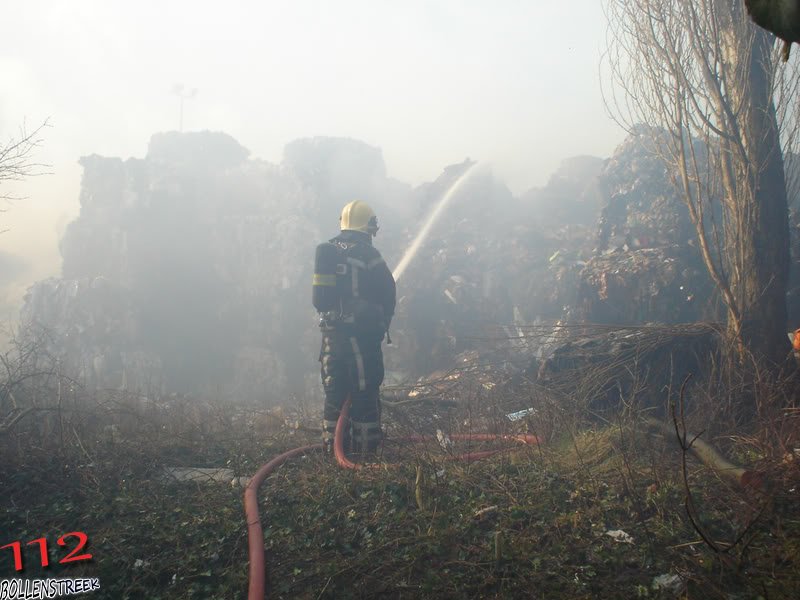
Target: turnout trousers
[{"x": 352, "y": 365}]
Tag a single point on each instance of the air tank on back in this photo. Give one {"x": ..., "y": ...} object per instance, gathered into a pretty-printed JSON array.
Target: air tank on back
[{"x": 324, "y": 295}]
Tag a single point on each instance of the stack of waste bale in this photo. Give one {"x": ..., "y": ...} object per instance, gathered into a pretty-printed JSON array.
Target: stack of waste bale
[{"x": 646, "y": 266}]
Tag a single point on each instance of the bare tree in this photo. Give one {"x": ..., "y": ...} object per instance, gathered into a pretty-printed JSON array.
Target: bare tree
[
  {"x": 726, "y": 106},
  {"x": 17, "y": 161}
]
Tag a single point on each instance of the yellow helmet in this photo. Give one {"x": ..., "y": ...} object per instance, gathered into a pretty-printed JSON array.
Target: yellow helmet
[{"x": 359, "y": 216}]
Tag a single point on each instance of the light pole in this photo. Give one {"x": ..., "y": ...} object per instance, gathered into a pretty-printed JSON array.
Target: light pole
[{"x": 183, "y": 94}]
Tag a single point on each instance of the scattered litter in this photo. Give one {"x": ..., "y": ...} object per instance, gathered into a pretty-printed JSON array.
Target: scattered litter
[
  {"x": 671, "y": 583},
  {"x": 199, "y": 474},
  {"x": 619, "y": 536},
  {"x": 485, "y": 511},
  {"x": 444, "y": 441},
  {"x": 521, "y": 414}
]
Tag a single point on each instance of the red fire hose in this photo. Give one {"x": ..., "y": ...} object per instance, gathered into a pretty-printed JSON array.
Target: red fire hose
[
  {"x": 346, "y": 463},
  {"x": 255, "y": 534}
]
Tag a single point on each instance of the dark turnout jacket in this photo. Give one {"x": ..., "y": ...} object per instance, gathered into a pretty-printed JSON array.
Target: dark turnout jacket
[{"x": 369, "y": 277}]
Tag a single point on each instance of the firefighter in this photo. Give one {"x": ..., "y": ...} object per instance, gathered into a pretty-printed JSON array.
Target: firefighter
[{"x": 354, "y": 293}]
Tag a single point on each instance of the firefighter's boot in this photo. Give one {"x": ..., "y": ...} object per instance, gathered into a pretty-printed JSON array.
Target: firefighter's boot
[{"x": 366, "y": 438}]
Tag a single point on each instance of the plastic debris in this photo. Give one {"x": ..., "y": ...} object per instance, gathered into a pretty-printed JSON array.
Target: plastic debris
[
  {"x": 671, "y": 583},
  {"x": 485, "y": 511},
  {"x": 619, "y": 536},
  {"x": 521, "y": 414},
  {"x": 444, "y": 441},
  {"x": 199, "y": 474}
]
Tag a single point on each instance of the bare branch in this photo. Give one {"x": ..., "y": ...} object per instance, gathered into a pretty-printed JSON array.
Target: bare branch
[
  {"x": 721, "y": 107},
  {"x": 17, "y": 157}
]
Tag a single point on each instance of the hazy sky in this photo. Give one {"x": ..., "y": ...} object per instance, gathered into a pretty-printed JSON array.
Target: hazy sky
[{"x": 514, "y": 83}]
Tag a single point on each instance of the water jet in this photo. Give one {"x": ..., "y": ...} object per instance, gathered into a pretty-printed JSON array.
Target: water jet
[{"x": 429, "y": 223}]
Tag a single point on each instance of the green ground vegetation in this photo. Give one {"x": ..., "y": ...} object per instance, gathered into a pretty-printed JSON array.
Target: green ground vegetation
[{"x": 535, "y": 522}]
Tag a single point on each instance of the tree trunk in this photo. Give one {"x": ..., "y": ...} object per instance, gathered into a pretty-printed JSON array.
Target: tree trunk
[{"x": 764, "y": 251}]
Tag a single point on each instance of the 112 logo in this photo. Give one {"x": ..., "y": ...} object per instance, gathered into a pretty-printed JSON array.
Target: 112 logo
[{"x": 44, "y": 556}]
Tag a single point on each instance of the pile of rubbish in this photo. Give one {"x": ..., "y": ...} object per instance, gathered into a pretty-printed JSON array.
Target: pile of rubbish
[
  {"x": 606, "y": 242},
  {"x": 209, "y": 255},
  {"x": 664, "y": 284},
  {"x": 600, "y": 366},
  {"x": 572, "y": 196},
  {"x": 645, "y": 267},
  {"x": 641, "y": 208},
  {"x": 87, "y": 328},
  {"x": 472, "y": 370}
]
